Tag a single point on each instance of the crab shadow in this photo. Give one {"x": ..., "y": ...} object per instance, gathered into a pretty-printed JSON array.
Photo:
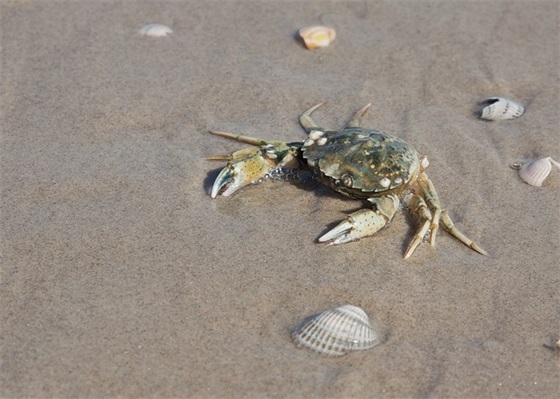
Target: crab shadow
[
  {"x": 311, "y": 184},
  {"x": 307, "y": 183},
  {"x": 210, "y": 179}
]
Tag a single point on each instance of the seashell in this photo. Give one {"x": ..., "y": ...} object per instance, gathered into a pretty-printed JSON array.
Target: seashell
[
  {"x": 535, "y": 172},
  {"x": 317, "y": 36},
  {"x": 497, "y": 109},
  {"x": 337, "y": 331},
  {"x": 155, "y": 30}
]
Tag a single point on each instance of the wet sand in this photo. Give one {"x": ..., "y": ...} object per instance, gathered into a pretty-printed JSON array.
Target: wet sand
[{"x": 121, "y": 277}]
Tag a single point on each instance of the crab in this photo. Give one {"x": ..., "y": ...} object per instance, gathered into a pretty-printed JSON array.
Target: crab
[{"x": 364, "y": 164}]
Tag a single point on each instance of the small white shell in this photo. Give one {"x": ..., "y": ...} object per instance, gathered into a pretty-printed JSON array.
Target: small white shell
[
  {"x": 337, "y": 331},
  {"x": 317, "y": 36},
  {"x": 155, "y": 30},
  {"x": 497, "y": 109},
  {"x": 535, "y": 172}
]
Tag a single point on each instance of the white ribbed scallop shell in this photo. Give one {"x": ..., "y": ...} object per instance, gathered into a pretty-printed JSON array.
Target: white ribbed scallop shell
[
  {"x": 337, "y": 331},
  {"x": 497, "y": 108},
  {"x": 535, "y": 172},
  {"x": 155, "y": 30}
]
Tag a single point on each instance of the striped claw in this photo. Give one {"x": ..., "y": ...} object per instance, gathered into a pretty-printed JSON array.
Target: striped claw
[{"x": 364, "y": 222}]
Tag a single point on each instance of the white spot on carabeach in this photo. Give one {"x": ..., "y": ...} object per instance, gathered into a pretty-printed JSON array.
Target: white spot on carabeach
[
  {"x": 330, "y": 169},
  {"x": 315, "y": 134},
  {"x": 155, "y": 30},
  {"x": 322, "y": 141},
  {"x": 385, "y": 182},
  {"x": 308, "y": 142}
]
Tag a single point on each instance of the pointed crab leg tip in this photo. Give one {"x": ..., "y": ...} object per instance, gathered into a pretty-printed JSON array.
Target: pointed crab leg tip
[
  {"x": 219, "y": 158},
  {"x": 479, "y": 250},
  {"x": 408, "y": 253},
  {"x": 222, "y": 134},
  {"x": 313, "y": 108}
]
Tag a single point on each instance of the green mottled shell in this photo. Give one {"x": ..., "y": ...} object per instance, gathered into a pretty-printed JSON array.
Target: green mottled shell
[{"x": 362, "y": 163}]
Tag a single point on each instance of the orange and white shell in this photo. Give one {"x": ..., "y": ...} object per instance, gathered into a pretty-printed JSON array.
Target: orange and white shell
[{"x": 317, "y": 36}]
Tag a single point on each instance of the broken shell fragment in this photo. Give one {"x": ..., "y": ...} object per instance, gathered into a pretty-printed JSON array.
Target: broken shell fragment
[
  {"x": 535, "y": 172},
  {"x": 155, "y": 30},
  {"x": 337, "y": 331},
  {"x": 317, "y": 36},
  {"x": 497, "y": 108}
]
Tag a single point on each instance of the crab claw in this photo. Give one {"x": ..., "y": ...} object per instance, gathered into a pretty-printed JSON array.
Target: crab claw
[
  {"x": 252, "y": 165},
  {"x": 225, "y": 178},
  {"x": 247, "y": 166},
  {"x": 364, "y": 222}
]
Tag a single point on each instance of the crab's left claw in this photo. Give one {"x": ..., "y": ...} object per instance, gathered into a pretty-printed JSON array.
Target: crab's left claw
[
  {"x": 245, "y": 167},
  {"x": 251, "y": 165},
  {"x": 226, "y": 178}
]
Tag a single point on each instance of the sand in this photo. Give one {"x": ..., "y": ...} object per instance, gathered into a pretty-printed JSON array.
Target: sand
[{"x": 121, "y": 277}]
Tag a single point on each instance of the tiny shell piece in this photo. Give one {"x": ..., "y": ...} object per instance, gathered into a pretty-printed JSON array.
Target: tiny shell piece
[
  {"x": 317, "y": 36},
  {"x": 155, "y": 30},
  {"x": 337, "y": 331},
  {"x": 497, "y": 109},
  {"x": 535, "y": 172}
]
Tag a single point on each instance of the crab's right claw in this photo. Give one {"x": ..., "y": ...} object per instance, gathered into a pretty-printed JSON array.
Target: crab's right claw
[{"x": 364, "y": 222}]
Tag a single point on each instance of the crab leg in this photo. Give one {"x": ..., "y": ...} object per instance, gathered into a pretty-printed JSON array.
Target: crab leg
[
  {"x": 357, "y": 119},
  {"x": 454, "y": 231},
  {"x": 239, "y": 137},
  {"x": 251, "y": 165},
  {"x": 305, "y": 119},
  {"x": 438, "y": 216},
  {"x": 430, "y": 194},
  {"x": 418, "y": 206},
  {"x": 364, "y": 222}
]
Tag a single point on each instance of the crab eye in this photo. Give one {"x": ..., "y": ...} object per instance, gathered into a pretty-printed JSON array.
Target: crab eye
[{"x": 346, "y": 180}]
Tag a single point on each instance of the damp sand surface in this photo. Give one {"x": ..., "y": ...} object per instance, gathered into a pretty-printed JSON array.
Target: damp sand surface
[{"x": 122, "y": 277}]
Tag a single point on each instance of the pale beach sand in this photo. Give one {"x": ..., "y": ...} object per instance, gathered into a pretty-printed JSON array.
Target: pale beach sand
[{"x": 121, "y": 277}]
